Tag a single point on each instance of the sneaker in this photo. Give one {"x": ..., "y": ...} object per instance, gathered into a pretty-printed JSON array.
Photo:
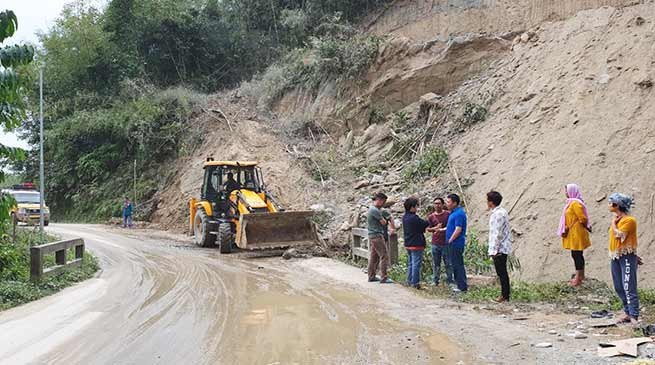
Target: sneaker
[
  {"x": 456, "y": 290},
  {"x": 373, "y": 279},
  {"x": 386, "y": 281}
]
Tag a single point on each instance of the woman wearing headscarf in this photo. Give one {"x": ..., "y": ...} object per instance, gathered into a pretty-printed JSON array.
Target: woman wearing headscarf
[
  {"x": 574, "y": 228},
  {"x": 623, "y": 252}
]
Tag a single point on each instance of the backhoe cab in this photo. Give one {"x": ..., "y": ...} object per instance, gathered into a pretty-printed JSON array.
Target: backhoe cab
[{"x": 235, "y": 209}]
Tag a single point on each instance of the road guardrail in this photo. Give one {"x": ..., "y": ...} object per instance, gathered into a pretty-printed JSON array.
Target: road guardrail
[
  {"x": 60, "y": 248},
  {"x": 360, "y": 246}
]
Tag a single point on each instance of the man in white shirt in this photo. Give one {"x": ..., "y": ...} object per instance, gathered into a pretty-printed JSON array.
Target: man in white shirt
[{"x": 500, "y": 241}]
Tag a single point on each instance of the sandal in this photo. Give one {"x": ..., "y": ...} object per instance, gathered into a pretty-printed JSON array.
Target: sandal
[{"x": 624, "y": 318}]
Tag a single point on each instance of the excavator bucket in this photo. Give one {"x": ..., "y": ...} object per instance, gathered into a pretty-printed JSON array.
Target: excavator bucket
[{"x": 276, "y": 230}]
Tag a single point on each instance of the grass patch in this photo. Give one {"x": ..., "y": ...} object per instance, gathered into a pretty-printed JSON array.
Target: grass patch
[
  {"x": 376, "y": 116},
  {"x": 339, "y": 53},
  {"x": 323, "y": 164},
  {"x": 433, "y": 162},
  {"x": 593, "y": 293},
  {"x": 15, "y": 285},
  {"x": 474, "y": 113}
]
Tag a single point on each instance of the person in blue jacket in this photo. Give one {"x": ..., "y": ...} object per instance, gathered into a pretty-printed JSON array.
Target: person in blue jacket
[{"x": 127, "y": 213}]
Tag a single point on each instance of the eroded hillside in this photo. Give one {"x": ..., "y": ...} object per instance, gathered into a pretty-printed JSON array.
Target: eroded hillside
[{"x": 524, "y": 98}]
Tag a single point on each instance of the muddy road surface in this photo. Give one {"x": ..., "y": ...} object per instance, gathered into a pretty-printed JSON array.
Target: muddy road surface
[{"x": 160, "y": 300}]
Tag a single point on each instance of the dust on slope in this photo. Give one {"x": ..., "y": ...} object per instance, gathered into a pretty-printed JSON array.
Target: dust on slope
[
  {"x": 252, "y": 138},
  {"x": 573, "y": 105}
]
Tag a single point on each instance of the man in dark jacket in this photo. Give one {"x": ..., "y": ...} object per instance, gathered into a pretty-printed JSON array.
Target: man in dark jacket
[{"x": 414, "y": 233}]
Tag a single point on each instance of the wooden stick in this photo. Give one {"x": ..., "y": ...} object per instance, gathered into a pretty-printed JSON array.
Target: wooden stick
[
  {"x": 327, "y": 134},
  {"x": 218, "y": 111},
  {"x": 320, "y": 174},
  {"x": 519, "y": 198},
  {"x": 652, "y": 201},
  {"x": 459, "y": 184},
  {"x": 311, "y": 134}
]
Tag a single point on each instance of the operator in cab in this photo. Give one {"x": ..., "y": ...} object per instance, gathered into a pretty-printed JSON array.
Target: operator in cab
[{"x": 231, "y": 184}]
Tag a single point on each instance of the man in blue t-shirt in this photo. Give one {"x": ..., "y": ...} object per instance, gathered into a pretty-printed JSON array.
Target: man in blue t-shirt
[{"x": 456, "y": 236}]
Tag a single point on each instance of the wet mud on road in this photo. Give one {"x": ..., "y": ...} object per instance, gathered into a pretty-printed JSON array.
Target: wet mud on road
[{"x": 157, "y": 301}]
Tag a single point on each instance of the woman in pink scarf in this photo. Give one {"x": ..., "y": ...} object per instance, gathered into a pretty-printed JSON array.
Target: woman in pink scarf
[{"x": 574, "y": 228}]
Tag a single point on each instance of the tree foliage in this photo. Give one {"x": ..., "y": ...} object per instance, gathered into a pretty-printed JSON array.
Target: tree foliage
[{"x": 12, "y": 87}]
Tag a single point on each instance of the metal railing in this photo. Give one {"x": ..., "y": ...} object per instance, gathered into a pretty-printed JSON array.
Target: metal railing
[
  {"x": 360, "y": 246},
  {"x": 60, "y": 249}
]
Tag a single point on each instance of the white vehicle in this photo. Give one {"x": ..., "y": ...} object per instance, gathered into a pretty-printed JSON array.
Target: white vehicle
[{"x": 28, "y": 204}]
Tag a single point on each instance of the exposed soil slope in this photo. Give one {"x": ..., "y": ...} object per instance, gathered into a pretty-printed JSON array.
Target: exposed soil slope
[
  {"x": 251, "y": 138},
  {"x": 569, "y": 100},
  {"x": 428, "y": 20},
  {"x": 576, "y": 105}
]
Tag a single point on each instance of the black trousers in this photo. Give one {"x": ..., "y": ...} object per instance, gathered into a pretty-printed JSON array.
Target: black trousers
[
  {"x": 578, "y": 259},
  {"x": 500, "y": 262}
]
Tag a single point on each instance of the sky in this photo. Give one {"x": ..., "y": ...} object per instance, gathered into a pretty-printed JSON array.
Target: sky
[{"x": 33, "y": 16}]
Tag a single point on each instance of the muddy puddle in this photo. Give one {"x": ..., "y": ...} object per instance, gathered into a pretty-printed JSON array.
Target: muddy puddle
[{"x": 283, "y": 324}]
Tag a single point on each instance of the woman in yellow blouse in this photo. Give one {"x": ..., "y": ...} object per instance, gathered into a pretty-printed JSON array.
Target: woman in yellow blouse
[
  {"x": 623, "y": 252},
  {"x": 574, "y": 228}
]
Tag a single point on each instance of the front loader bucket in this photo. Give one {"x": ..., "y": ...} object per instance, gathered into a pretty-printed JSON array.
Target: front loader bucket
[{"x": 276, "y": 230}]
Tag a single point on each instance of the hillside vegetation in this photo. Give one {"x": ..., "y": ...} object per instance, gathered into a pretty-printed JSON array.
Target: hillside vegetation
[{"x": 123, "y": 82}]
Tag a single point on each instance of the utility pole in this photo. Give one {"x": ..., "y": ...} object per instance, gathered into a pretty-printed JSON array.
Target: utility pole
[
  {"x": 134, "y": 197},
  {"x": 41, "y": 173}
]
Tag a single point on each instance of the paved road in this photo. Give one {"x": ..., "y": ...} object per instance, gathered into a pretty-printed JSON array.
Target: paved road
[{"x": 161, "y": 301}]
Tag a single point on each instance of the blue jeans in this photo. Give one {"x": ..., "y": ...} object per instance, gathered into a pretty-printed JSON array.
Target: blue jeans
[
  {"x": 441, "y": 253},
  {"x": 624, "y": 277},
  {"x": 414, "y": 260},
  {"x": 459, "y": 271},
  {"x": 127, "y": 221}
]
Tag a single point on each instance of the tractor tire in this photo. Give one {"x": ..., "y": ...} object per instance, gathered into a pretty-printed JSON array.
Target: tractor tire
[
  {"x": 202, "y": 230},
  {"x": 225, "y": 237}
]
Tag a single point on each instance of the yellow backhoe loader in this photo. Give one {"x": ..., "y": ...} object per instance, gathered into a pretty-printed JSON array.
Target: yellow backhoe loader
[{"x": 235, "y": 209}]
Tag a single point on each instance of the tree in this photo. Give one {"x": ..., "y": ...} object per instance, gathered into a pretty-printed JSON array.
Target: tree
[{"x": 12, "y": 99}]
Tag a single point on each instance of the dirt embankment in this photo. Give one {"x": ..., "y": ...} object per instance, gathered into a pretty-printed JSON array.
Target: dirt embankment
[
  {"x": 568, "y": 94},
  {"x": 428, "y": 20},
  {"x": 576, "y": 106}
]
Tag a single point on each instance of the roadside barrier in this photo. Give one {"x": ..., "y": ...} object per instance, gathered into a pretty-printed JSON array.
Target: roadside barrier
[
  {"x": 60, "y": 249},
  {"x": 360, "y": 247}
]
